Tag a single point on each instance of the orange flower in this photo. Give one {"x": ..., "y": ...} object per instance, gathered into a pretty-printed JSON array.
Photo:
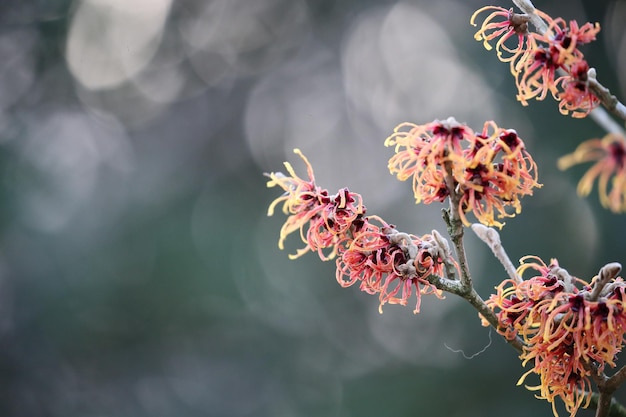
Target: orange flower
[
  {"x": 536, "y": 58},
  {"x": 370, "y": 251},
  {"x": 389, "y": 263},
  {"x": 567, "y": 38},
  {"x": 496, "y": 175},
  {"x": 575, "y": 95},
  {"x": 322, "y": 220},
  {"x": 563, "y": 327},
  {"x": 535, "y": 75},
  {"x": 610, "y": 154},
  {"x": 556, "y": 49},
  {"x": 512, "y": 25},
  {"x": 489, "y": 171},
  {"x": 421, "y": 153}
]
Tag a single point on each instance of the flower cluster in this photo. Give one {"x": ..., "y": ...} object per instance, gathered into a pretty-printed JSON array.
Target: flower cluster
[
  {"x": 610, "y": 156},
  {"x": 503, "y": 24},
  {"x": 487, "y": 172},
  {"x": 367, "y": 249},
  {"x": 536, "y": 59},
  {"x": 570, "y": 327}
]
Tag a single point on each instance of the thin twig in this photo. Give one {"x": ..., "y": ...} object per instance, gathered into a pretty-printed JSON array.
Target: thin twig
[
  {"x": 604, "y": 404},
  {"x": 527, "y": 7},
  {"x": 610, "y": 102},
  {"x": 446, "y": 285},
  {"x": 607, "y": 273},
  {"x": 616, "y": 380},
  {"x": 455, "y": 230},
  {"x": 457, "y": 288},
  {"x": 491, "y": 237},
  {"x": 448, "y": 262},
  {"x": 479, "y": 304},
  {"x": 615, "y": 408},
  {"x": 455, "y": 226}
]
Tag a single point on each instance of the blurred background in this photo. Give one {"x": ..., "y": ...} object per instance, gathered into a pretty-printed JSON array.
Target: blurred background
[{"x": 139, "y": 273}]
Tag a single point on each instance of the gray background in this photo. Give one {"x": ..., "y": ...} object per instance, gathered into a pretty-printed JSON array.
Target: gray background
[{"x": 139, "y": 274}]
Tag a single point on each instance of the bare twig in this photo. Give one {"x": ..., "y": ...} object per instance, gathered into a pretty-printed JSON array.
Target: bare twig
[
  {"x": 605, "y": 404},
  {"x": 616, "y": 380},
  {"x": 479, "y": 304},
  {"x": 610, "y": 102},
  {"x": 527, "y": 7},
  {"x": 457, "y": 288},
  {"x": 615, "y": 409},
  {"x": 447, "y": 256},
  {"x": 455, "y": 227},
  {"x": 607, "y": 273},
  {"x": 491, "y": 237},
  {"x": 455, "y": 230}
]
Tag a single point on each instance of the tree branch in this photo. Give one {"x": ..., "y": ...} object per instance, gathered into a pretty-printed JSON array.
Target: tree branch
[
  {"x": 491, "y": 237},
  {"x": 455, "y": 227},
  {"x": 609, "y": 101}
]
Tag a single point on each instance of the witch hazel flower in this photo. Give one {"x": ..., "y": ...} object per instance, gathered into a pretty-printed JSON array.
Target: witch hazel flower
[
  {"x": 557, "y": 49},
  {"x": 570, "y": 327},
  {"x": 609, "y": 154},
  {"x": 503, "y": 25},
  {"x": 537, "y": 58},
  {"x": 322, "y": 219},
  {"x": 422, "y": 151},
  {"x": 486, "y": 172},
  {"x": 390, "y": 263},
  {"x": 574, "y": 94},
  {"x": 368, "y": 250}
]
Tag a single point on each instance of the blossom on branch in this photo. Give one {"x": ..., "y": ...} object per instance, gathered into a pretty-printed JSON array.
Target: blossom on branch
[
  {"x": 322, "y": 220},
  {"x": 574, "y": 94},
  {"x": 368, "y": 250},
  {"x": 390, "y": 263},
  {"x": 537, "y": 58},
  {"x": 610, "y": 156},
  {"x": 485, "y": 173},
  {"x": 568, "y": 325},
  {"x": 503, "y": 24}
]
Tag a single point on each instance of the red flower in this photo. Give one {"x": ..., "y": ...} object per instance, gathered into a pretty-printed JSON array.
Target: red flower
[
  {"x": 536, "y": 58},
  {"x": 511, "y": 25},
  {"x": 575, "y": 95},
  {"x": 390, "y": 263},
  {"x": 369, "y": 251},
  {"x": 302, "y": 200},
  {"x": 564, "y": 328},
  {"x": 421, "y": 153},
  {"x": 535, "y": 75},
  {"x": 490, "y": 171}
]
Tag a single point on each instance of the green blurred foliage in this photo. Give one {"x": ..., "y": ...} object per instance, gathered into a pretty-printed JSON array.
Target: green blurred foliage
[{"x": 139, "y": 275}]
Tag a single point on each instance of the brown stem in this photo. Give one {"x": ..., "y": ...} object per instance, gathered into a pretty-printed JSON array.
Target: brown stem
[
  {"x": 609, "y": 101},
  {"x": 455, "y": 230},
  {"x": 527, "y": 7},
  {"x": 616, "y": 380},
  {"x": 477, "y": 302},
  {"x": 455, "y": 226},
  {"x": 471, "y": 296},
  {"x": 613, "y": 408},
  {"x": 604, "y": 404}
]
